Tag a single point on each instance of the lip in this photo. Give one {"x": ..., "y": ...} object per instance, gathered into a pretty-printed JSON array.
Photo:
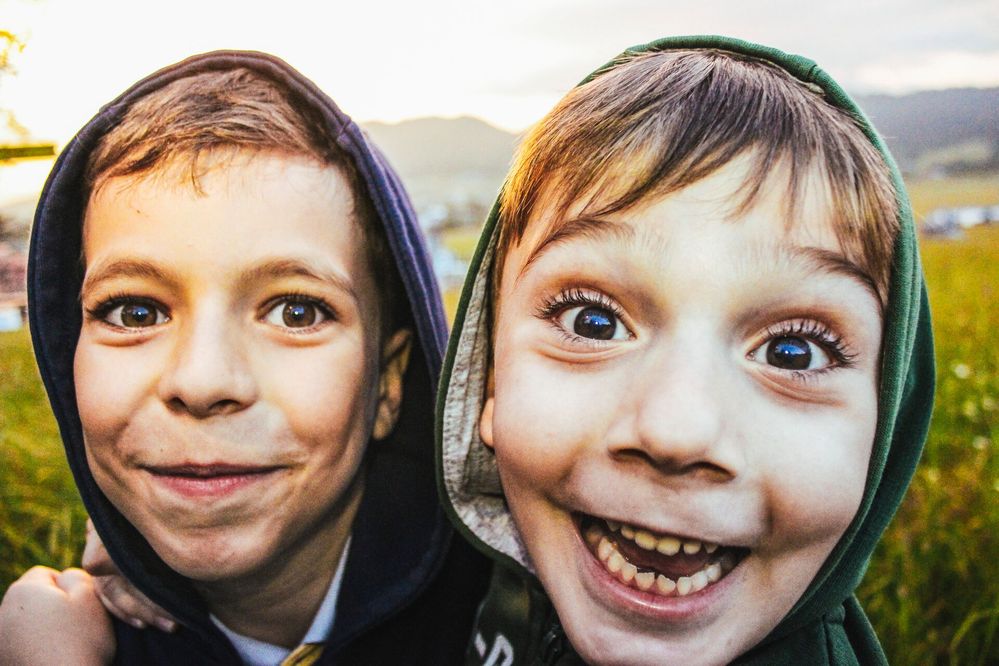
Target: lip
[
  {"x": 614, "y": 595},
  {"x": 215, "y": 480}
]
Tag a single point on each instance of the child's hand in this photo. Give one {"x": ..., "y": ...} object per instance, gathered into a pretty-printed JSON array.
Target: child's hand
[
  {"x": 118, "y": 595},
  {"x": 52, "y": 617}
]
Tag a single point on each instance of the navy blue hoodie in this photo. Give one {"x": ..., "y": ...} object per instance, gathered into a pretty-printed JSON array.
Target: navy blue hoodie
[{"x": 410, "y": 588}]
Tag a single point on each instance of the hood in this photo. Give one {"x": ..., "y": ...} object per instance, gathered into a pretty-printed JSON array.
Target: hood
[
  {"x": 826, "y": 625},
  {"x": 400, "y": 470}
]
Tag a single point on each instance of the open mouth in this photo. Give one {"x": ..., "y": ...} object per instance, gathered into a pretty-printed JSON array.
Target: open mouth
[{"x": 662, "y": 564}]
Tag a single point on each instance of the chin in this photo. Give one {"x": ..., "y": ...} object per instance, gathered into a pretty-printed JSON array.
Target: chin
[{"x": 211, "y": 557}]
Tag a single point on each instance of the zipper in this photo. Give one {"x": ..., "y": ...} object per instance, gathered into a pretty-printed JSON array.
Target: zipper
[{"x": 553, "y": 644}]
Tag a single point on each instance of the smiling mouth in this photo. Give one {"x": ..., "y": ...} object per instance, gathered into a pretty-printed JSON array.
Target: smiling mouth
[
  {"x": 208, "y": 471},
  {"x": 661, "y": 564},
  {"x": 209, "y": 481}
]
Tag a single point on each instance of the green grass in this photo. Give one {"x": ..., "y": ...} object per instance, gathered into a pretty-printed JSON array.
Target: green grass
[
  {"x": 932, "y": 589},
  {"x": 461, "y": 241},
  {"x": 972, "y": 190},
  {"x": 41, "y": 516}
]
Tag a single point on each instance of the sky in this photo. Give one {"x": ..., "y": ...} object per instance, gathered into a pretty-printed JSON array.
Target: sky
[{"x": 505, "y": 61}]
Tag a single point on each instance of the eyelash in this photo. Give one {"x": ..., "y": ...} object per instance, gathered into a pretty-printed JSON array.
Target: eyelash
[
  {"x": 299, "y": 297},
  {"x": 818, "y": 333},
  {"x": 100, "y": 311},
  {"x": 809, "y": 329},
  {"x": 552, "y": 306}
]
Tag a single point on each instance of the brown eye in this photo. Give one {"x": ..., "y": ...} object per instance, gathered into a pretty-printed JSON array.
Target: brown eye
[
  {"x": 297, "y": 315},
  {"x": 135, "y": 315},
  {"x": 290, "y": 313}
]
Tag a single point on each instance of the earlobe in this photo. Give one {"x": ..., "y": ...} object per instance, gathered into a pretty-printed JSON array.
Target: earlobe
[
  {"x": 486, "y": 422},
  {"x": 395, "y": 360}
]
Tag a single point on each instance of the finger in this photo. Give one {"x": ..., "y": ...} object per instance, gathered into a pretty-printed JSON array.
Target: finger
[
  {"x": 95, "y": 556},
  {"x": 39, "y": 575},
  {"x": 108, "y": 589},
  {"x": 72, "y": 579},
  {"x": 126, "y": 603}
]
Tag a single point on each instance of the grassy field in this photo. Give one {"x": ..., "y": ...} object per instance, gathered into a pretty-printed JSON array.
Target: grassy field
[
  {"x": 41, "y": 517},
  {"x": 932, "y": 589}
]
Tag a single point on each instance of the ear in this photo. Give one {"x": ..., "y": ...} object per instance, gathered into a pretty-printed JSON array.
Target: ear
[
  {"x": 395, "y": 359},
  {"x": 486, "y": 417},
  {"x": 486, "y": 423}
]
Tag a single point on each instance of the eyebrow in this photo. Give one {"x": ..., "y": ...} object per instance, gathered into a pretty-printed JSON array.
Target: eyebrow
[
  {"x": 829, "y": 261},
  {"x": 278, "y": 268},
  {"x": 125, "y": 268},
  {"x": 594, "y": 228},
  {"x": 591, "y": 228}
]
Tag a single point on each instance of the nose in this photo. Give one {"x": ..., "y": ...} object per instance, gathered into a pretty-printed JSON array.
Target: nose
[
  {"x": 679, "y": 418},
  {"x": 208, "y": 373}
]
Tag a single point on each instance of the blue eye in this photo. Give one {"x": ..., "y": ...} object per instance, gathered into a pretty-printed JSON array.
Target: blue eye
[
  {"x": 795, "y": 353},
  {"x": 790, "y": 353},
  {"x": 593, "y": 322}
]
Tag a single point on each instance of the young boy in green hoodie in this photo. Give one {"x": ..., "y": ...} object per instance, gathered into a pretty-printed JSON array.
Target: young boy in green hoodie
[{"x": 691, "y": 373}]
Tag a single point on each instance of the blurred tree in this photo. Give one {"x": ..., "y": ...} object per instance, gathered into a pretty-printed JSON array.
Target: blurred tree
[{"x": 11, "y": 44}]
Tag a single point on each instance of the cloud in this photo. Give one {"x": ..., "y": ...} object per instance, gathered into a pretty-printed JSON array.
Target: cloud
[{"x": 938, "y": 69}]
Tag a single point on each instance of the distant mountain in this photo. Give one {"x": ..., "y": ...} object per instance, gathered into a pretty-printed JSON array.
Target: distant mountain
[
  {"x": 928, "y": 132},
  {"x": 444, "y": 145},
  {"x": 943, "y": 130}
]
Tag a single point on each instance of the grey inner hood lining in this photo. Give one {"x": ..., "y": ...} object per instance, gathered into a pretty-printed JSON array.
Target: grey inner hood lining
[{"x": 469, "y": 466}]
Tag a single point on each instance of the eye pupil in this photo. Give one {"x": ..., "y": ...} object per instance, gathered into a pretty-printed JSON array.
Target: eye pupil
[
  {"x": 789, "y": 353},
  {"x": 595, "y": 323},
  {"x": 298, "y": 315},
  {"x": 138, "y": 315}
]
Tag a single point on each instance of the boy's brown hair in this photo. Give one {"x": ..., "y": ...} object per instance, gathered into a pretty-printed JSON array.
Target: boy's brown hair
[
  {"x": 655, "y": 123},
  {"x": 197, "y": 123}
]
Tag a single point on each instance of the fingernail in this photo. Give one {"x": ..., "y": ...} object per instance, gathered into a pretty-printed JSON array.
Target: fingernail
[
  {"x": 137, "y": 623},
  {"x": 168, "y": 626}
]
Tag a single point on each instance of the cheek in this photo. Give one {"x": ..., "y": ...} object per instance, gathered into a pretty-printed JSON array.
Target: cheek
[
  {"x": 111, "y": 386},
  {"x": 543, "y": 420},
  {"x": 816, "y": 472},
  {"x": 326, "y": 394}
]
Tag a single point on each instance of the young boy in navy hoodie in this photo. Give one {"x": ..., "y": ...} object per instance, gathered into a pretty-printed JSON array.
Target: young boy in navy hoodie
[{"x": 240, "y": 333}]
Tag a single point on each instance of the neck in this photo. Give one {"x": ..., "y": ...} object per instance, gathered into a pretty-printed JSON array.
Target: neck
[{"x": 277, "y": 602}]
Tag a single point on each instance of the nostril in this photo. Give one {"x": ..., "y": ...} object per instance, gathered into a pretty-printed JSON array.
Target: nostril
[
  {"x": 225, "y": 407},
  {"x": 176, "y": 405},
  {"x": 675, "y": 465},
  {"x": 216, "y": 408}
]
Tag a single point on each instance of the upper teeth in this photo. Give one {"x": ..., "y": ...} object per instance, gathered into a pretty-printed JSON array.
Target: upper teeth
[
  {"x": 650, "y": 581},
  {"x": 667, "y": 545}
]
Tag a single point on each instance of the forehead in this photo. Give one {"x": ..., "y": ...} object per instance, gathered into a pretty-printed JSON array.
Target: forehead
[
  {"x": 243, "y": 196},
  {"x": 253, "y": 209},
  {"x": 703, "y": 223}
]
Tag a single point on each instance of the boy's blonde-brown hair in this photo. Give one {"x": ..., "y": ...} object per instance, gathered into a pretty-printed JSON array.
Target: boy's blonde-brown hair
[
  {"x": 655, "y": 123},
  {"x": 198, "y": 123}
]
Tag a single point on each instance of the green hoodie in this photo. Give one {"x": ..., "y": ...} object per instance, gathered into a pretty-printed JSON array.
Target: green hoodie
[{"x": 827, "y": 624}]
